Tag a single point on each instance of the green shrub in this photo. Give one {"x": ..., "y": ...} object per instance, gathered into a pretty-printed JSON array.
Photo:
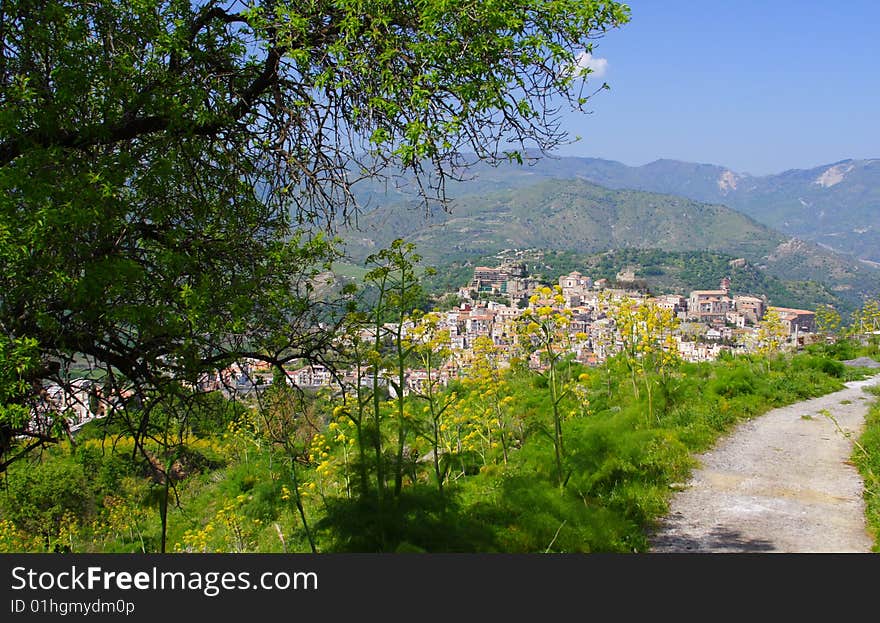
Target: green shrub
[
  {"x": 829, "y": 367},
  {"x": 733, "y": 382},
  {"x": 866, "y": 456},
  {"x": 40, "y": 496}
]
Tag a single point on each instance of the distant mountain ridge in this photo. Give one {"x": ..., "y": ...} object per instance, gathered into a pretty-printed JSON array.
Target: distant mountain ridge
[
  {"x": 537, "y": 211},
  {"x": 564, "y": 214},
  {"x": 836, "y": 205}
]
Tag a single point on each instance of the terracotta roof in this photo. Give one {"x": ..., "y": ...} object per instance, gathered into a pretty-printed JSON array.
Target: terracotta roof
[{"x": 791, "y": 310}]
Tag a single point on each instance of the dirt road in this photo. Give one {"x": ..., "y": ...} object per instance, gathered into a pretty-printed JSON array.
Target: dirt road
[{"x": 779, "y": 483}]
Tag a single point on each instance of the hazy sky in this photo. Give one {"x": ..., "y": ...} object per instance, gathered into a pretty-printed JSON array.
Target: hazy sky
[{"x": 760, "y": 87}]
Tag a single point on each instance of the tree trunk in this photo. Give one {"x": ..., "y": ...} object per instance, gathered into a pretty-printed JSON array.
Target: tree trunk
[
  {"x": 401, "y": 422},
  {"x": 299, "y": 506},
  {"x": 436, "y": 444},
  {"x": 163, "y": 511},
  {"x": 557, "y": 423},
  {"x": 377, "y": 442}
]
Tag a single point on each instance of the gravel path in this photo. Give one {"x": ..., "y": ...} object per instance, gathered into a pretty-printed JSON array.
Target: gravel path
[{"x": 781, "y": 482}]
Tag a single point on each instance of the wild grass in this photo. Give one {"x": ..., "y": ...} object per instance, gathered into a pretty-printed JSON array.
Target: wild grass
[
  {"x": 866, "y": 456},
  {"x": 620, "y": 469}
]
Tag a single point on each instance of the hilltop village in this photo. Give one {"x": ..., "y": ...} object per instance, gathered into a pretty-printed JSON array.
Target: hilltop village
[{"x": 492, "y": 304}]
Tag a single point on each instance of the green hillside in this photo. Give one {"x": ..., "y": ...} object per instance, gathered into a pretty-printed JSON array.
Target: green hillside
[
  {"x": 583, "y": 218},
  {"x": 564, "y": 214},
  {"x": 835, "y": 204}
]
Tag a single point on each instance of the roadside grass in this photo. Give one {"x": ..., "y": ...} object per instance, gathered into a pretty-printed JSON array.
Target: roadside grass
[
  {"x": 621, "y": 470},
  {"x": 866, "y": 456}
]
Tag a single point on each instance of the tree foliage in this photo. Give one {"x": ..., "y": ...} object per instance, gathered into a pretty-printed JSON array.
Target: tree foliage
[
  {"x": 165, "y": 166},
  {"x": 490, "y": 420},
  {"x": 770, "y": 335},
  {"x": 828, "y": 320},
  {"x": 866, "y": 319}
]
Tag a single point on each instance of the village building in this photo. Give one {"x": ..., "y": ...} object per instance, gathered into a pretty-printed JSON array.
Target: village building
[
  {"x": 479, "y": 322},
  {"x": 626, "y": 275},
  {"x": 700, "y": 351},
  {"x": 676, "y": 303},
  {"x": 796, "y": 321},
  {"x": 78, "y": 402},
  {"x": 310, "y": 376},
  {"x": 497, "y": 280},
  {"x": 751, "y": 307},
  {"x": 719, "y": 333},
  {"x": 575, "y": 288},
  {"x": 575, "y": 281},
  {"x": 709, "y": 306},
  {"x": 503, "y": 312},
  {"x": 737, "y": 319}
]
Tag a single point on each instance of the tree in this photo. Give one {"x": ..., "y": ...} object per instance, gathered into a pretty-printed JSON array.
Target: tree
[
  {"x": 866, "y": 319},
  {"x": 769, "y": 337},
  {"x": 163, "y": 422},
  {"x": 356, "y": 351},
  {"x": 165, "y": 166},
  {"x": 491, "y": 385},
  {"x": 545, "y": 327},
  {"x": 432, "y": 345},
  {"x": 282, "y": 423},
  {"x": 394, "y": 276},
  {"x": 647, "y": 332},
  {"x": 828, "y": 321}
]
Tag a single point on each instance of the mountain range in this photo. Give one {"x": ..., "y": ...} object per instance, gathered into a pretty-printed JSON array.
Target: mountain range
[
  {"x": 814, "y": 225},
  {"x": 836, "y": 205}
]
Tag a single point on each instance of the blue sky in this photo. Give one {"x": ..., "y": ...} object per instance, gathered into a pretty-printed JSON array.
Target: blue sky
[{"x": 760, "y": 87}]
